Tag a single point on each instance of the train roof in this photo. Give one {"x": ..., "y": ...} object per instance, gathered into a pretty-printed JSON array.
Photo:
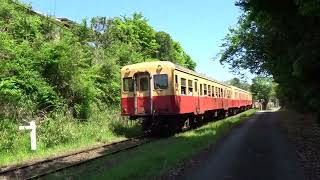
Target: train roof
[
  {"x": 179, "y": 68},
  {"x": 183, "y": 69},
  {"x": 240, "y": 89}
]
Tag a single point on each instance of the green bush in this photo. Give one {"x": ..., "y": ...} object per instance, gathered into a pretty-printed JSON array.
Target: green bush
[
  {"x": 69, "y": 77},
  {"x": 56, "y": 132},
  {"x": 8, "y": 136}
]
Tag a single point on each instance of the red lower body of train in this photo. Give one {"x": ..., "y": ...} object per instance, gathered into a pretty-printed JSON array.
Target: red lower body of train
[{"x": 179, "y": 105}]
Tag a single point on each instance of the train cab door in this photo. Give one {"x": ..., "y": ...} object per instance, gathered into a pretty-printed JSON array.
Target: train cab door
[
  {"x": 197, "y": 96},
  {"x": 142, "y": 93}
]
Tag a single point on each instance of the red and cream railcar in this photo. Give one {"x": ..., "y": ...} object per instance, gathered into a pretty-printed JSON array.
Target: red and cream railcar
[{"x": 161, "y": 88}]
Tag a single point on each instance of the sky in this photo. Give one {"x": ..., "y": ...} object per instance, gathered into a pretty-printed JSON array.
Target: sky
[{"x": 199, "y": 25}]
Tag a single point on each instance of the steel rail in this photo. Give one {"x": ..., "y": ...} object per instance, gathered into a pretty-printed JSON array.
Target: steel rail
[{"x": 11, "y": 170}]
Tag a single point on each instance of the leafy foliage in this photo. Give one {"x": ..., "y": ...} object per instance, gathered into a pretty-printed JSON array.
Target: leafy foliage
[
  {"x": 47, "y": 67},
  {"x": 279, "y": 38},
  {"x": 65, "y": 74},
  {"x": 261, "y": 88},
  {"x": 238, "y": 83}
]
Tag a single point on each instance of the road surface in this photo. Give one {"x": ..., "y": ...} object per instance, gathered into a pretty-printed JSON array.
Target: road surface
[{"x": 258, "y": 150}]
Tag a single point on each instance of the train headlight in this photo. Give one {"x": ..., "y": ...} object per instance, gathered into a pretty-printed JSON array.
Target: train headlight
[{"x": 159, "y": 68}]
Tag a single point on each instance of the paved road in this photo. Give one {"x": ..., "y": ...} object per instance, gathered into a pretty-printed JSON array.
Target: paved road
[{"x": 258, "y": 150}]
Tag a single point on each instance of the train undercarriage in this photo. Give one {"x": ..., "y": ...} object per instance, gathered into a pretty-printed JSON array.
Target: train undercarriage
[{"x": 166, "y": 125}]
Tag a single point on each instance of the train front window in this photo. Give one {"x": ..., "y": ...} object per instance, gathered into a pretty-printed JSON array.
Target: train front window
[
  {"x": 144, "y": 83},
  {"x": 160, "y": 81},
  {"x": 128, "y": 84}
]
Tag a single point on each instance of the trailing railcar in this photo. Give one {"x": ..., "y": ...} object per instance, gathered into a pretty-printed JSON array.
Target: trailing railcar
[{"x": 161, "y": 91}]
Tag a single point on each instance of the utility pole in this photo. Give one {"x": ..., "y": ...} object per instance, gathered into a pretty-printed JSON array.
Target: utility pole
[{"x": 54, "y": 8}]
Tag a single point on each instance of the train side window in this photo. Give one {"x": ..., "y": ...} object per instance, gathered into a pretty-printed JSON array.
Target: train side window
[
  {"x": 160, "y": 81},
  {"x": 190, "y": 88},
  {"x": 183, "y": 86},
  {"x": 209, "y": 90},
  {"x": 200, "y": 89},
  {"x": 176, "y": 81},
  {"x": 212, "y": 92},
  {"x": 205, "y": 89},
  {"x": 195, "y": 86},
  {"x": 216, "y": 92},
  {"x": 221, "y": 92},
  {"x": 128, "y": 84}
]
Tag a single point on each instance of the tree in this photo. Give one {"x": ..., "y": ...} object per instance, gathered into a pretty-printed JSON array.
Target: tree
[
  {"x": 237, "y": 83},
  {"x": 47, "y": 67},
  {"x": 166, "y": 50},
  {"x": 261, "y": 88},
  {"x": 188, "y": 62},
  {"x": 279, "y": 39},
  {"x": 133, "y": 40}
]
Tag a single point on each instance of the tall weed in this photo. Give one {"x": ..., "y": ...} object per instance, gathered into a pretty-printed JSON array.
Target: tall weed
[
  {"x": 8, "y": 135},
  {"x": 57, "y": 131}
]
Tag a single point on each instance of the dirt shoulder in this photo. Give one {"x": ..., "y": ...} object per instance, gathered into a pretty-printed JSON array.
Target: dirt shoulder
[{"x": 304, "y": 133}]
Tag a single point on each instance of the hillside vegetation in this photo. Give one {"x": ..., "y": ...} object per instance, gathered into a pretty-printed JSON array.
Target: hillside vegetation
[{"x": 67, "y": 77}]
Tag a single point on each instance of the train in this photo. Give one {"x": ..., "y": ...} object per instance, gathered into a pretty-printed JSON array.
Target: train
[{"x": 167, "y": 95}]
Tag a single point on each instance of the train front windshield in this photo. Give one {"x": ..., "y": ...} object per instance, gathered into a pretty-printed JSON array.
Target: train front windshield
[{"x": 160, "y": 81}]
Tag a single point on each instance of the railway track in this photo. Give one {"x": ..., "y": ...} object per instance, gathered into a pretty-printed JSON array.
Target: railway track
[{"x": 49, "y": 166}]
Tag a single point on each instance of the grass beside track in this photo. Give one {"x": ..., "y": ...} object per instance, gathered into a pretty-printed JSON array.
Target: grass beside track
[
  {"x": 157, "y": 158},
  {"x": 64, "y": 135}
]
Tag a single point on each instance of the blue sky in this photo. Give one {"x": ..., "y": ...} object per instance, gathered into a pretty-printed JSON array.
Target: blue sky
[{"x": 199, "y": 25}]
